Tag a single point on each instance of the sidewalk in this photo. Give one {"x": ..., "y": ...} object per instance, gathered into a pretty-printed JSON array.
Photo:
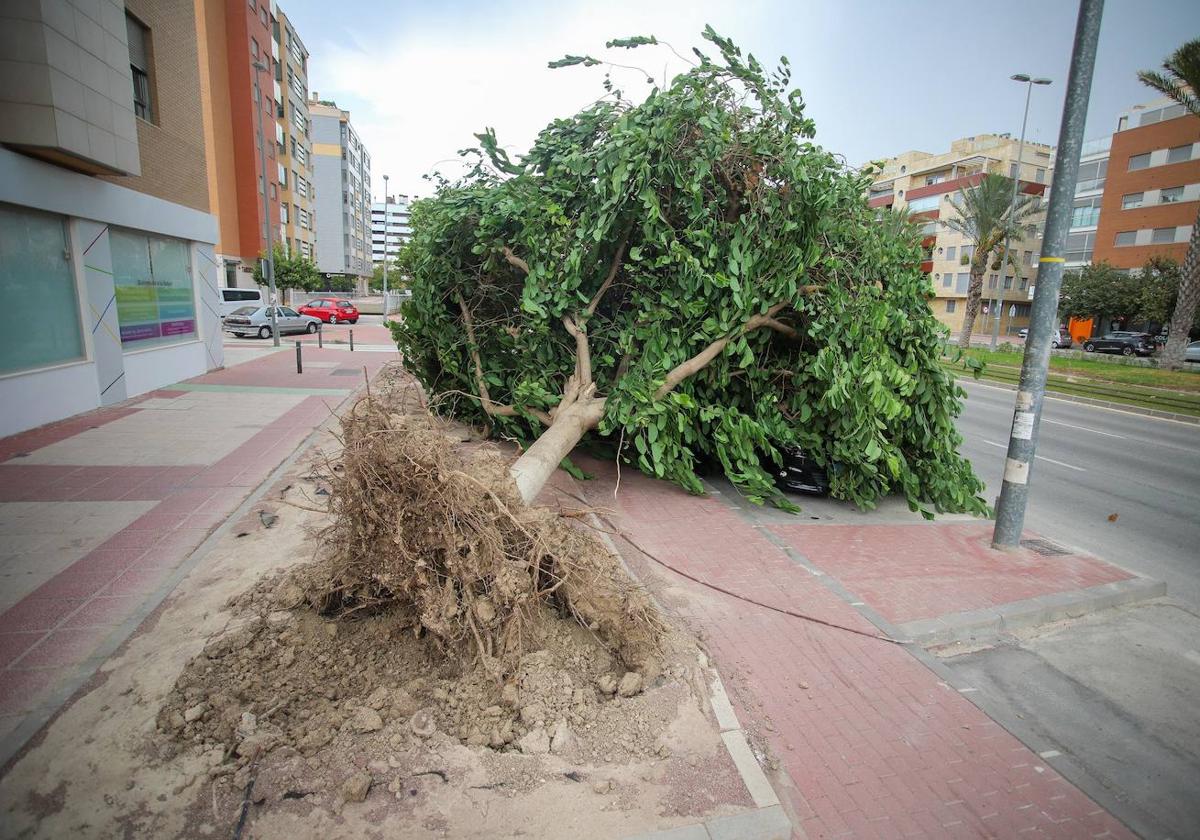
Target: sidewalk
[
  {"x": 97, "y": 511},
  {"x": 871, "y": 742}
]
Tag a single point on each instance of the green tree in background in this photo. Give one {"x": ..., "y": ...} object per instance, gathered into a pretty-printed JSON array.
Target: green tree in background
[
  {"x": 1099, "y": 290},
  {"x": 981, "y": 215},
  {"x": 1180, "y": 80},
  {"x": 292, "y": 271},
  {"x": 688, "y": 278}
]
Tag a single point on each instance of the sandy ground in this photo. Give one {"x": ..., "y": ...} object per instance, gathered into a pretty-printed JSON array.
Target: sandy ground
[{"x": 103, "y": 768}]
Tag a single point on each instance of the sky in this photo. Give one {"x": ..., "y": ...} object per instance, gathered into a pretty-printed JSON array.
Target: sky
[{"x": 879, "y": 78}]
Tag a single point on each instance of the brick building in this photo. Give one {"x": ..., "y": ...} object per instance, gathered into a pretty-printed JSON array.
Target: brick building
[
  {"x": 1152, "y": 191},
  {"x": 106, "y": 242}
]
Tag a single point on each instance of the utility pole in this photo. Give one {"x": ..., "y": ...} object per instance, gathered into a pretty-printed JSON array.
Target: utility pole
[
  {"x": 386, "y": 222},
  {"x": 1031, "y": 392},
  {"x": 262, "y": 153},
  {"x": 1012, "y": 204}
]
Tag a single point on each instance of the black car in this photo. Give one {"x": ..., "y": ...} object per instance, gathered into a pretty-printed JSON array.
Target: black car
[
  {"x": 799, "y": 473},
  {"x": 1125, "y": 343}
]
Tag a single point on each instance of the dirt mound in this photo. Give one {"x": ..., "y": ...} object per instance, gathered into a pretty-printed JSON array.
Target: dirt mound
[{"x": 440, "y": 605}]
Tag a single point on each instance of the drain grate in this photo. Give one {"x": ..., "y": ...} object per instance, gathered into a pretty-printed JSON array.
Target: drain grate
[
  {"x": 347, "y": 372},
  {"x": 1045, "y": 548}
]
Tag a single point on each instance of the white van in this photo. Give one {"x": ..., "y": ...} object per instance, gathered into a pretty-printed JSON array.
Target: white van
[{"x": 232, "y": 299}]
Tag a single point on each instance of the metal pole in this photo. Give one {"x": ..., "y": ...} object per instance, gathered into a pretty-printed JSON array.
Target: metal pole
[
  {"x": 299, "y": 364},
  {"x": 386, "y": 221},
  {"x": 320, "y": 335},
  {"x": 351, "y": 341},
  {"x": 262, "y": 153},
  {"x": 1022, "y": 441},
  {"x": 1012, "y": 208}
]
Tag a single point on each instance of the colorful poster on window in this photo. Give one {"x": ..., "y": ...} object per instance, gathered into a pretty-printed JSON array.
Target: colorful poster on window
[{"x": 153, "y": 284}]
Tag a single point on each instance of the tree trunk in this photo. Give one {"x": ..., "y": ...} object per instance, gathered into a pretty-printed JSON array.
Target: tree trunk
[
  {"x": 974, "y": 293},
  {"x": 1185, "y": 303},
  {"x": 571, "y": 422}
]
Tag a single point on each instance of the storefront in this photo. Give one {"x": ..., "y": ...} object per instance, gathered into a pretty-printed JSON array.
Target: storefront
[{"x": 109, "y": 293}]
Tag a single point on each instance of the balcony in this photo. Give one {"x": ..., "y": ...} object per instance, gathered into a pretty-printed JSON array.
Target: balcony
[{"x": 927, "y": 266}]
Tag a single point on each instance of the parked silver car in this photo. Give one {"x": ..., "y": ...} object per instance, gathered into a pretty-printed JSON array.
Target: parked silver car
[
  {"x": 1192, "y": 353},
  {"x": 256, "y": 320}
]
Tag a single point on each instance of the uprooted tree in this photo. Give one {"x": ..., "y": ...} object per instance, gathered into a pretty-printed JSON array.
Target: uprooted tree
[{"x": 689, "y": 277}]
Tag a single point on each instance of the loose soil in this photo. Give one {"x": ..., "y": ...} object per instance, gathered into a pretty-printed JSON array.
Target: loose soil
[{"x": 239, "y": 702}]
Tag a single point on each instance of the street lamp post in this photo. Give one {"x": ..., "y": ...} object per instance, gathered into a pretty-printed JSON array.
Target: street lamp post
[
  {"x": 386, "y": 222},
  {"x": 262, "y": 152},
  {"x": 1012, "y": 204}
]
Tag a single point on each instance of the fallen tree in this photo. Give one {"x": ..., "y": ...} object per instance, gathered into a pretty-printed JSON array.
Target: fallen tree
[{"x": 689, "y": 277}]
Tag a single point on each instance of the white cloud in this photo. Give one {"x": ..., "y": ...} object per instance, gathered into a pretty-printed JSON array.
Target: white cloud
[{"x": 419, "y": 94}]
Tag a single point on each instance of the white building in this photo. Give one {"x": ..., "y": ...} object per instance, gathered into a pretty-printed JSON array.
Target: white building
[
  {"x": 390, "y": 227},
  {"x": 106, "y": 246}
]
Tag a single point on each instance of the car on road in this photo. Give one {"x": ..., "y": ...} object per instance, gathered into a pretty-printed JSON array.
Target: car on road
[
  {"x": 1059, "y": 338},
  {"x": 1192, "y": 353},
  {"x": 799, "y": 473},
  {"x": 256, "y": 320},
  {"x": 1119, "y": 341},
  {"x": 331, "y": 310}
]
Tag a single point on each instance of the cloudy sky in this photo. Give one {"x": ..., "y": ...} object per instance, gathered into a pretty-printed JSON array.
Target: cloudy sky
[{"x": 420, "y": 78}]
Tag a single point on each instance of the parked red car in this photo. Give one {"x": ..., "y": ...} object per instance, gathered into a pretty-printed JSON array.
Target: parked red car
[{"x": 331, "y": 310}]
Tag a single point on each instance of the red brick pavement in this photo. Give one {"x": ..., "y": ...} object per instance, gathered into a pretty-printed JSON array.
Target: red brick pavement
[
  {"x": 873, "y": 743},
  {"x": 909, "y": 572},
  {"x": 60, "y": 624}
]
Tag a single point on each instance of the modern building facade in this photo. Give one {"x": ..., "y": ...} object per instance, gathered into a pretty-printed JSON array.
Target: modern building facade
[
  {"x": 924, "y": 183},
  {"x": 234, "y": 35},
  {"x": 106, "y": 243},
  {"x": 390, "y": 227},
  {"x": 1152, "y": 191},
  {"x": 342, "y": 177},
  {"x": 294, "y": 164}
]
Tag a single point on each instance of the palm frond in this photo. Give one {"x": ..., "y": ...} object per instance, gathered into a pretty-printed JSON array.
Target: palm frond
[{"x": 1180, "y": 80}]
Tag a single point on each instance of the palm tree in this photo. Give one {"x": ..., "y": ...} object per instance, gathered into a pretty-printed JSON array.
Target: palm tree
[
  {"x": 982, "y": 215},
  {"x": 1180, "y": 81}
]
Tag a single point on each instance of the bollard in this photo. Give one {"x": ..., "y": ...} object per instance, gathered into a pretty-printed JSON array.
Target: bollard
[
  {"x": 320, "y": 337},
  {"x": 351, "y": 341},
  {"x": 299, "y": 364}
]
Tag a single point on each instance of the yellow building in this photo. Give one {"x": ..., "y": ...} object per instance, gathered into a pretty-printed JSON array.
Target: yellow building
[
  {"x": 924, "y": 183},
  {"x": 297, "y": 217}
]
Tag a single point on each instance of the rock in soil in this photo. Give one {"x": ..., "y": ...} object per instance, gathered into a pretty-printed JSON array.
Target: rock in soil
[
  {"x": 355, "y": 788},
  {"x": 630, "y": 684}
]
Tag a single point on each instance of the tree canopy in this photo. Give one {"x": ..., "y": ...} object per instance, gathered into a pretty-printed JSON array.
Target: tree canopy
[
  {"x": 292, "y": 271},
  {"x": 691, "y": 278}
]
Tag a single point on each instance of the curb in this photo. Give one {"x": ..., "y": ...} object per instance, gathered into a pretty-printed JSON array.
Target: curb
[
  {"x": 992, "y": 622},
  {"x": 1116, "y": 406},
  {"x": 767, "y": 820}
]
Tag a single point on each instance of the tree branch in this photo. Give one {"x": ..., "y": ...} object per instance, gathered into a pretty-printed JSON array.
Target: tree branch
[
  {"x": 702, "y": 359},
  {"x": 492, "y": 409},
  {"x": 514, "y": 260},
  {"x": 583, "y": 354},
  {"x": 613, "y": 268}
]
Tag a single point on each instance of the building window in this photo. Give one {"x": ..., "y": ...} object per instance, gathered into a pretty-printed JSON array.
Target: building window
[
  {"x": 1171, "y": 195},
  {"x": 961, "y": 281},
  {"x": 38, "y": 284},
  {"x": 139, "y": 66},
  {"x": 283, "y": 213},
  {"x": 1132, "y": 201},
  {"x": 1012, "y": 170},
  {"x": 1126, "y": 237},
  {"x": 254, "y": 48},
  {"x": 1162, "y": 236},
  {"x": 1139, "y": 162},
  {"x": 993, "y": 280},
  {"x": 1085, "y": 212},
  {"x": 951, "y": 252},
  {"x": 1029, "y": 258},
  {"x": 1008, "y": 281},
  {"x": 951, "y": 305},
  {"x": 1024, "y": 283},
  {"x": 968, "y": 251},
  {"x": 153, "y": 278},
  {"x": 1079, "y": 247},
  {"x": 1040, "y": 177},
  {"x": 918, "y": 205},
  {"x": 947, "y": 279},
  {"x": 1179, "y": 154}
]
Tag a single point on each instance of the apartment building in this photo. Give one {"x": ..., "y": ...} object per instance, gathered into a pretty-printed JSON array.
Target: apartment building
[
  {"x": 924, "y": 183},
  {"x": 342, "y": 176},
  {"x": 390, "y": 227},
  {"x": 1152, "y": 191},
  {"x": 294, "y": 162},
  {"x": 107, "y": 258},
  {"x": 239, "y": 105}
]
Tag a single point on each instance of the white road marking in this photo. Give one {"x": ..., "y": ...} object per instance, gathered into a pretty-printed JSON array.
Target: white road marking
[
  {"x": 1049, "y": 753},
  {"x": 1039, "y": 457},
  {"x": 1130, "y": 413},
  {"x": 1083, "y": 428}
]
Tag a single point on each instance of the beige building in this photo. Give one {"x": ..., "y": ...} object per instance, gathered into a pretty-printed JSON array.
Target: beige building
[
  {"x": 342, "y": 176},
  {"x": 924, "y": 183},
  {"x": 297, "y": 216}
]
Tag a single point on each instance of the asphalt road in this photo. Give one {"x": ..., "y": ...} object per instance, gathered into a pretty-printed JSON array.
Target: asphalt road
[
  {"x": 1094, "y": 462},
  {"x": 1113, "y": 692}
]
